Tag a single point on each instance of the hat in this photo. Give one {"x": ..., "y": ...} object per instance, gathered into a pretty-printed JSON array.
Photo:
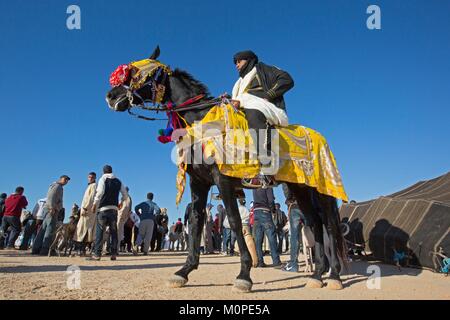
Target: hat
[{"x": 65, "y": 177}]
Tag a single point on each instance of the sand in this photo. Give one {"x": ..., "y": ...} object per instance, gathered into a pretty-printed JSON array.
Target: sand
[{"x": 23, "y": 276}]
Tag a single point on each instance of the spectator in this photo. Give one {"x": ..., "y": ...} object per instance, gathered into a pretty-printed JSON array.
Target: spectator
[
  {"x": 107, "y": 201},
  {"x": 53, "y": 206},
  {"x": 135, "y": 237},
  {"x": 246, "y": 231},
  {"x": 14, "y": 204},
  {"x": 161, "y": 221},
  {"x": 264, "y": 205},
  {"x": 280, "y": 220},
  {"x": 86, "y": 224},
  {"x": 178, "y": 226},
  {"x": 39, "y": 210},
  {"x": 296, "y": 219},
  {"x": 147, "y": 211},
  {"x": 216, "y": 234},
  {"x": 229, "y": 238},
  {"x": 3, "y": 197},
  {"x": 33, "y": 225},
  {"x": 29, "y": 228},
  {"x": 221, "y": 214},
  {"x": 128, "y": 232},
  {"x": 208, "y": 230},
  {"x": 178, "y": 230},
  {"x": 251, "y": 219},
  {"x": 123, "y": 216}
]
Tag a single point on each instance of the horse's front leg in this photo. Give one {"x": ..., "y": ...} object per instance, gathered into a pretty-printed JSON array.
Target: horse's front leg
[
  {"x": 199, "y": 194},
  {"x": 243, "y": 282}
]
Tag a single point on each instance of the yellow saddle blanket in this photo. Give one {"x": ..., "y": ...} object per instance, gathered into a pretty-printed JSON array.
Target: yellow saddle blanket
[{"x": 299, "y": 154}]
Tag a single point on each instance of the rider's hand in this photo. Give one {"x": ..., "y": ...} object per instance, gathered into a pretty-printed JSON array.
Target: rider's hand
[{"x": 236, "y": 103}]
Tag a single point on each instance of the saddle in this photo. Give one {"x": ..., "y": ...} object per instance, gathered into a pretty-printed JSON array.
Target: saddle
[{"x": 299, "y": 155}]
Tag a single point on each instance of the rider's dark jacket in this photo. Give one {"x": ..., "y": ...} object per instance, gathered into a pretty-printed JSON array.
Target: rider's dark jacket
[{"x": 271, "y": 83}]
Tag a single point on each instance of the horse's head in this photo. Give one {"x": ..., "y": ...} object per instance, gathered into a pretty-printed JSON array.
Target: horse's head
[{"x": 138, "y": 82}]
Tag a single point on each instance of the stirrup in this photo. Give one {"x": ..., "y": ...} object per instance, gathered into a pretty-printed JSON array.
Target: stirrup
[{"x": 261, "y": 181}]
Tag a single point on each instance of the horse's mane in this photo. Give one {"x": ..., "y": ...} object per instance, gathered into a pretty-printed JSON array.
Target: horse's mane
[{"x": 191, "y": 82}]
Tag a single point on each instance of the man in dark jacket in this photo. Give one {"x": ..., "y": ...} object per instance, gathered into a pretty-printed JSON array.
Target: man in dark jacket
[
  {"x": 259, "y": 90},
  {"x": 147, "y": 212},
  {"x": 159, "y": 231},
  {"x": 264, "y": 205},
  {"x": 106, "y": 203},
  {"x": 11, "y": 218},
  {"x": 266, "y": 82}
]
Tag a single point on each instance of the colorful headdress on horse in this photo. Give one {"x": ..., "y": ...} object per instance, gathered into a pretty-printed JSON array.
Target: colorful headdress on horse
[
  {"x": 143, "y": 69},
  {"x": 139, "y": 73}
]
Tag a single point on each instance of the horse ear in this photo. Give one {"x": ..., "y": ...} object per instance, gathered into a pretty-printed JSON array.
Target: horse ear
[{"x": 155, "y": 53}]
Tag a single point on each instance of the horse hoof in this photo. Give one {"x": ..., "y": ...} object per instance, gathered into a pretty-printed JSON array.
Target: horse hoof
[
  {"x": 333, "y": 284},
  {"x": 242, "y": 286},
  {"x": 176, "y": 281},
  {"x": 314, "y": 284}
]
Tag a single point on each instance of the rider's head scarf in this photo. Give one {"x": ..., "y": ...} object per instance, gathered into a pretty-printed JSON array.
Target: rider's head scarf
[{"x": 252, "y": 60}]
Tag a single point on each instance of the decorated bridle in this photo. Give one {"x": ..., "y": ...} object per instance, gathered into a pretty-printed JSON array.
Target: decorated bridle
[
  {"x": 140, "y": 74},
  {"x": 152, "y": 73}
]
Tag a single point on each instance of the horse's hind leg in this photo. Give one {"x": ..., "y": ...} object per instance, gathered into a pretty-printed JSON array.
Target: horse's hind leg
[
  {"x": 199, "y": 194},
  {"x": 337, "y": 247},
  {"x": 304, "y": 196}
]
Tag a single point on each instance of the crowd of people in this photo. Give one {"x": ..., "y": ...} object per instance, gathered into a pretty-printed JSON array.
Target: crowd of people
[{"x": 106, "y": 224}]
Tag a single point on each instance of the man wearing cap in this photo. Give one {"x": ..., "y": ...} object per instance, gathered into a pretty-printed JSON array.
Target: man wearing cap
[
  {"x": 53, "y": 206},
  {"x": 259, "y": 90}
]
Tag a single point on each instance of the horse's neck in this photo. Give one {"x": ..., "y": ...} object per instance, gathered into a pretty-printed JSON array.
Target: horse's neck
[{"x": 180, "y": 92}]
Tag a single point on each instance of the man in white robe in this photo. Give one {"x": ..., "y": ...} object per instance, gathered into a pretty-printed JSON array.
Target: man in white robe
[
  {"x": 122, "y": 216},
  {"x": 86, "y": 225}
]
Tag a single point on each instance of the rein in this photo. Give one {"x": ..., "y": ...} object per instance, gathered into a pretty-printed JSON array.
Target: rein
[{"x": 171, "y": 107}]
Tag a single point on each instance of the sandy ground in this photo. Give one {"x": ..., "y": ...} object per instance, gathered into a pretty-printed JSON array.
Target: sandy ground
[{"x": 23, "y": 276}]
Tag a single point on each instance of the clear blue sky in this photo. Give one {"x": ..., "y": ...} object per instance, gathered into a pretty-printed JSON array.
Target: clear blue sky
[{"x": 380, "y": 97}]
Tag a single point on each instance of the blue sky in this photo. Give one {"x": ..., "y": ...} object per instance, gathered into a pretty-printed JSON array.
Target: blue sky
[{"x": 380, "y": 97}]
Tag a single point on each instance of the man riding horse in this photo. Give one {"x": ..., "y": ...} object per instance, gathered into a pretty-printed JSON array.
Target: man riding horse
[
  {"x": 259, "y": 90},
  {"x": 309, "y": 168}
]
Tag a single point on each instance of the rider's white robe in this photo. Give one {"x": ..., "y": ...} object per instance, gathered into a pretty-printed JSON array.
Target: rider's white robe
[{"x": 274, "y": 115}]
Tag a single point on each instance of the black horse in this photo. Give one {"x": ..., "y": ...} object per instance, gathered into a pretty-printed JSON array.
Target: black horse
[{"x": 319, "y": 208}]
